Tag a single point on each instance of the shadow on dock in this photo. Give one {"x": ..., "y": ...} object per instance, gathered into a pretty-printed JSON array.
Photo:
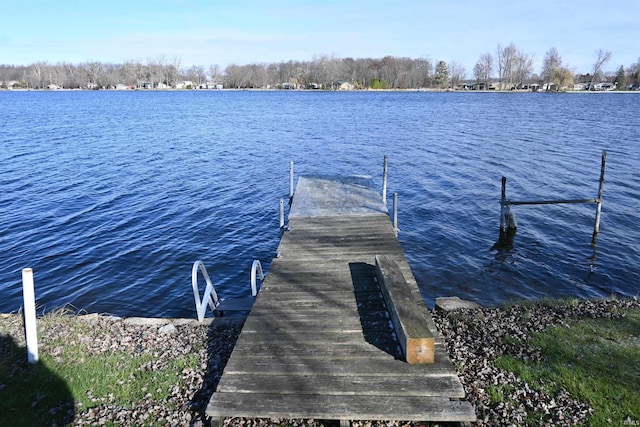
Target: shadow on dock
[{"x": 372, "y": 309}]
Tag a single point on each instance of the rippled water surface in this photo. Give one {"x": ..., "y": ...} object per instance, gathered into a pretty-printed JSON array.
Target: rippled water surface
[{"x": 111, "y": 196}]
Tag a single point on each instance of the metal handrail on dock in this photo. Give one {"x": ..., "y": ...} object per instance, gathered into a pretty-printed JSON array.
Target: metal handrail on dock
[
  {"x": 210, "y": 297},
  {"x": 256, "y": 269}
]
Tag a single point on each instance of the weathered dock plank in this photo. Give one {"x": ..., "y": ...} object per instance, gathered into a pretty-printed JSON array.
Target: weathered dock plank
[
  {"x": 319, "y": 342},
  {"x": 296, "y": 406}
]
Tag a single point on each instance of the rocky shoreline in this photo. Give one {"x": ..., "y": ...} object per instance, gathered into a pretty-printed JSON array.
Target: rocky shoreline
[{"x": 473, "y": 337}]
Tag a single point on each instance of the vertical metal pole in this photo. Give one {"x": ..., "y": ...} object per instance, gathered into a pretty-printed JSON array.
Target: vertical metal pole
[
  {"x": 395, "y": 213},
  {"x": 291, "y": 179},
  {"x": 31, "y": 331},
  {"x": 596, "y": 227},
  {"x": 281, "y": 213},
  {"x": 384, "y": 181},
  {"x": 502, "y": 203}
]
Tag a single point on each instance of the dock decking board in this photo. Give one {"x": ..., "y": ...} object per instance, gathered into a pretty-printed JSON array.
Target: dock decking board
[{"x": 319, "y": 342}]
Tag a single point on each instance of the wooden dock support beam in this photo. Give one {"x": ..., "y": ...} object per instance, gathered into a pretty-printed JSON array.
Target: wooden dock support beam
[{"x": 407, "y": 315}]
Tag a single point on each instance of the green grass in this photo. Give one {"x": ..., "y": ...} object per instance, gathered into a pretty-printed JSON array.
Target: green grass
[
  {"x": 597, "y": 361},
  {"x": 67, "y": 377}
]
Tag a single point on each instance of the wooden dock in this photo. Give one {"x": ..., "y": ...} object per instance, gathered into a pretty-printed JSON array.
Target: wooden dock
[{"x": 319, "y": 342}]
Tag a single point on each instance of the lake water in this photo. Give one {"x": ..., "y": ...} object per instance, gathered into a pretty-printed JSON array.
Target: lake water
[{"x": 111, "y": 196}]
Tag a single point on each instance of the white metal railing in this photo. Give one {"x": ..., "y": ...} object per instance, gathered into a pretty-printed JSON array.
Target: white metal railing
[
  {"x": 210, "y": 297},
  {"x": 256, "y": 268}
]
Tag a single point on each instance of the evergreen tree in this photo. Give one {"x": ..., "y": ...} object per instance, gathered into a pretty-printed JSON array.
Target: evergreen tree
[
  {"x": 621, "y": 79},
  {"x": 442, "y": 74}
]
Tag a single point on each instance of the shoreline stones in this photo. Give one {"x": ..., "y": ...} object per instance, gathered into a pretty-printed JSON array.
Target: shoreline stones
[
  {"x": 473, "y": 336},
  {"x": 455, "y": 303}
]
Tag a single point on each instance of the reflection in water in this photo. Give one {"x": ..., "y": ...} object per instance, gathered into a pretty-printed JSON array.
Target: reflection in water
[
  {"x": 592, "y": 259},
  {"x": 504, "y": 245}
]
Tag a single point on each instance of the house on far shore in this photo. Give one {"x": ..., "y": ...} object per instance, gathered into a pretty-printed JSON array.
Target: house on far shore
[
  {"x": 346, "y": 86},
  {"x": 9, "y": 84},
  {"x": 185, "y": 84},
  {"x": 121, "y": 86},
  {"x": 209, "y": 85},
  {"x": 53, "y": 87}
]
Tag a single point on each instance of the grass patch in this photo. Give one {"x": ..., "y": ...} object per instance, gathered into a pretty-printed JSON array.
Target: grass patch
[
  {"x": 74, "y": 373},
  {"x": 596, "y": 360}
]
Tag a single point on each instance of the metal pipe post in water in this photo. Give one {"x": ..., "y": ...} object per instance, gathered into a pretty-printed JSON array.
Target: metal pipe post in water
[
  {"x": 503, "y": 200},
  {"x": 508, "y": 224},
  {"x": 290, "y": 181},
  {"x": 384, "y": 180},
  {"x": 395, "y": 213},
  {"x": 596, "y": 226},
  {"x": 281, "y": 213}
]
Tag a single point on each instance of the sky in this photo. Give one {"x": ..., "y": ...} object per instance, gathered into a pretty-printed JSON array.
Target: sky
[{"x": 224, "y": 32}]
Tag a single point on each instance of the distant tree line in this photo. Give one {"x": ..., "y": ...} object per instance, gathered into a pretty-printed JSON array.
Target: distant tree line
[{"x": 506, "y": 68}]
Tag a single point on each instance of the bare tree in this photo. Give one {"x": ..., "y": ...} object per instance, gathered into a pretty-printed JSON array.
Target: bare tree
[
  {"x": 175, "y": 70},
  {"x": 233, "y": 76},
  {"x": 197, "y": 74},
  {"x": 457, "y": 72},
  {"x": 553, "y": 71},
  {"x": 514, "y": 66},
  {"x": 551, "y": 64},
  {"x": 483, "y": 69},
  {"x": 71, "y": 76},
  {"x": 522, "y": 70},
  {"x": 215, "y": 74},
  {"x": 156, "y": 72},
  {"x": 93, "y": 70},
  {"x": 57, "y": 75},
  {"x": 37, "y": 74},
  {"x": 505, "y": 63},
  {"x": 602, "y": 57},
  {"x": 128, "y": 73},
  {"x": 162, "y": 74},
  {"x": 142, "y": 75},
  {"x": 422, "y": 73}
]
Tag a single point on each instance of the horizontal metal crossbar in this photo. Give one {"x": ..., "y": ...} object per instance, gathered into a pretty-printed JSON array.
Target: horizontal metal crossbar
[{"x": 551, "y": 202}]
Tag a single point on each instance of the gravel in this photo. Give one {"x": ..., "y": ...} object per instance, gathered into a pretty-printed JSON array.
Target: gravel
[{"x": 473, "y": 337}]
